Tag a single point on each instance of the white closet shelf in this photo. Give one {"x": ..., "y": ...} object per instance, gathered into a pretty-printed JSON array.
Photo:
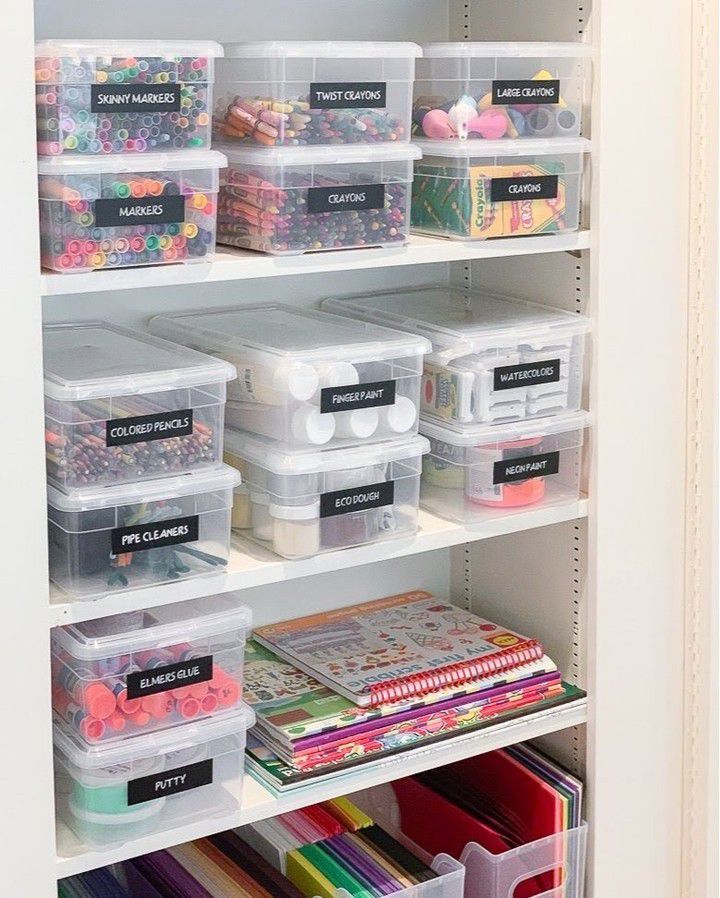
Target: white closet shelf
[
  {"x": 259, "y": 803},
  {"x": 250, "y": 565},
  {"x": 237, "y": 264}
]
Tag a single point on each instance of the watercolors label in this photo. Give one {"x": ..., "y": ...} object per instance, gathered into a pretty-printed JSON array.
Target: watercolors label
[
  {"x": 359, "y": 498},
  {"x": 170, "y": 676},
  {"x": 156, "y": 535},
  {"x": 354, "y": 396},
  {"x": 509, "y": 92},
  {"x": 345, "y": 199},
  {"x": 115, "y": 213},
  {"x": 348, "y": 95},
  {"x": 533, "y": 187},
  {"x": 135, "y": 98},
  {"x": 170, "y": 782},
  {"x": 146, "y": 428},
  {"x": 528, "y": 467},
  {"x": 510, "y": 377}
]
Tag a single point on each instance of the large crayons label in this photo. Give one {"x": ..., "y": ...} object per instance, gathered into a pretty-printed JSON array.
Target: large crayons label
[
  {"x": 170, "y": 676},
  {"x": 509, "y": 92},
  {"x": 146, "y": 428},
  {"x": 354, "y": 396},
  {"x": 135, "y": 97},
  {"x": 170, "y": 782},
  {"x": 156, "y": 210},
  {"x": 348, "y": 95},
  {"x": 157, "y": 535},
  {"x": 359, "y": 498},
  {"x": 345, "y": 199},
  {"x": 528, "y": 467},
  {"x": 510, "y": 377},
  {"x": 533, "y": 187}
]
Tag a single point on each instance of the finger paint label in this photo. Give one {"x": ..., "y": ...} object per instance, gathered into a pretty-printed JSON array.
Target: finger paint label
[
  {"x": 146, "y": 428},
  {"x": 359, "y": 498},
  {"x": 170, "y": 676},
  {"x": 345, "y": 199},
  {"x": 534, "y": 187},
  {"x": 510, "y": 377},
  {"x": 157, "y": 535},
  {"x": 348, "y": 95},
  {"x": 355, "y": 396},
  {"x": 507, "y": 93},
  {"x": 135, "y": 97},
  {"x": 510, "y": 470},
  {"x": 115, "y": 213},
  {"x": 169, "y": 782}
]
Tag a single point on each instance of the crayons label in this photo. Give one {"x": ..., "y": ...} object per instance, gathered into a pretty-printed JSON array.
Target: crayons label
[
  {"x": 156, "y": 535},
  {"x": 170, "y": 676},
  {"x": 170, "y": 782},
  {"x": 135, "y": 97},
  {"x": 529, "y": 467},
  {"x": 153, "y": 210},
  {"x": 359, "y": 498},
  {"x": 354, "y": 396},
  {"x": 510, "y": 377},
  {"x": 507, "y": 93},
  {"x": 146, "y": 428},
  {"x": 348, "y": 95},
  {"x": 345, "y": 199},
  {"x": 534, "y": 187}
]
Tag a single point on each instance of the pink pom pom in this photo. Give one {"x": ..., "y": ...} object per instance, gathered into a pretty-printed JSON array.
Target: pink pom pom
[
  {"x": 491, "y": 124},
  {"x": 437, "y": 124},
  {"x": 525, "y": 107}
]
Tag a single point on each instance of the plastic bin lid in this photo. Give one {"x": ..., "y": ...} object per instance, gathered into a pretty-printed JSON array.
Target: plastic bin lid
[
  {"x": 178, "y": 160},
  {"x": 487, "y": 49},
  {"x": 94, "y": 360},
  {"x": 125, "y": 47},
  {"x": 133, "y": 631},
  {"x": 300, "y": 334},
  {"x": 281, "y": 459},
  {"x": 323, "y": 50},
  {"x": 457, "y": 321},
  {"x": 320, "y": 155},
  {"x": 190, "y": 484},
  {"x": 480, "y": 434},
  {"x": 482, "y": 149}
]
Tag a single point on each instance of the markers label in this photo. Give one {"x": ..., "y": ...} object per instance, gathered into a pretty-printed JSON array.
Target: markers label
[
  {"x": 135, "y": 97},
  {"x": 170, "y": 782},
  {"x": 171, "y": 676},
  {"x": 354, "y": 396},
  {"x": 146, "y": 428},
  {"x": 510, "y": 377},
  {"x": 528, "y": 467},
  {"x": 345, "y": 199},
  {"x": 348, "y": 95},
  {"x": 155, "y": 536},
  {"x": 507, "y": 93},
  {"x": 359, "y": 498},
  {"x": 532, "y": 187},
  {"x": 152, "y": 210}
]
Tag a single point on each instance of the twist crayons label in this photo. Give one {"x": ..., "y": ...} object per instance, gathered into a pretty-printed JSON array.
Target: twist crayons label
[
  {"x": 114, "y": 213},
  {"x": 506, "y": 93},
  {"x": 156, "y": 535},
  {"x": 135, "y": 97},
  {"x": 510, "y": 377},
  {"x": 354, "y": 396},
  {"x": 345, "y": 199},
  {"x": 533, "y": 187},
  {"x": 171, "y": 676},
  {"x": 529, "y": 467},
  {"x": 146, "y": 428},
  {"x": 348, "y": 94},
  {"x": 359, "y": 498},
  {"x": 170, "y": 782}
]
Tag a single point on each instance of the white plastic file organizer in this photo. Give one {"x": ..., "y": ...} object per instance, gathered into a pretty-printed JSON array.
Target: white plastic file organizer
[
  {"x": 494, "y": 359},
  {"x": 109, "y": 794},
  {"x": 304, "y": 502},
  {"x": 307, "y": 378}
]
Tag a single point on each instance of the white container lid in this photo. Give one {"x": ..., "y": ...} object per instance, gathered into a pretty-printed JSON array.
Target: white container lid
[
  {"x": 94, "y": 360},
  {"x": 492, "y": 49},
  {"x": 296, "y": 512},
  {"x": 481, "y": 434},
  {"x": 323, "y": 50},
  {"x": 125, "y": 47},
  {"x": 189, "y": 484},
  {"x": 120, "y": 634},
  {"x": 320, "y": 155},
  {"x": 281, "y": 459},
  {"x": 303, "y": 335},
  {"x": 117, "y": 163},
  {"x": 481, "y": 149},
  {"x": 459, "y": 322}
]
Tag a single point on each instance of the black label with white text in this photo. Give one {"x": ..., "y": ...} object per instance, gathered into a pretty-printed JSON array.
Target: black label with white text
[
  {"x": 528, "y": 187},
  {"x": 354, "y": 396},
  {"x": 140, "y": 683},
  {"x": 359, "y": 498},
  {"x": 146, "y": 428},
  {"x": 510, "y": 377},
  {"x": 170, "y": 782},
  {"x": 511, "y": 92},
  {"x": 345, "y": 199},
  {"x": 135, "y": 97},
  {"x": 156, "y": 535},
  {"x": 148, "y": 210},
  {"x": 348, "y": 95},
  {"x": 528, "y": 467}
]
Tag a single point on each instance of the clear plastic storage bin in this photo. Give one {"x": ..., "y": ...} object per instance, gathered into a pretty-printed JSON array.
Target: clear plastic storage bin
[
  {"x": 491, "y": 91},
  {"x": 472, "y": 191},
  {"x": 304, "y": 502},
  {"x": 495, "y": 359},
  {"x": 139, "y": 671},
  {"x": 120, "y": 96},
  {"x": 307, "y": 378},
  {"x": 122, "y": 537},
  {"x": 123, "y": 406},
  {"x": 116, "y": 212},
  {"x": 110, "y": 794},
  {"x": 299, "y": 93},
  {"x": 302, "y": 199},
  {"x": 478, "y": 472}
]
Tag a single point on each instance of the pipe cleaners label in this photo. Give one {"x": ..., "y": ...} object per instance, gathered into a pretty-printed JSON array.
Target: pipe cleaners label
[{"x": 156, "y": 535}]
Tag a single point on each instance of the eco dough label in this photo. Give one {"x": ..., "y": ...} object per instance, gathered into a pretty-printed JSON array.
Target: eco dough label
[
  {"x": 114, "y": 213},
  {"x": 509, "y": 470},
  {"x": 533, "y": 187},
  {"x": 354, "y": 396},
  {"x": 135, "y": 97},
  {"x": 146, "y": 428},
  {"x": 541, "y": 91},
  {"x": 348, "y": 95},
  {"x": 359, "y": 498},
  {"x": 140, "y": 683},
  {"x": 170, "y": 782},
  {"x": 510, "y": 377},
  {"x": 157, "y": 535},
  {"x": 345, "y": 199}
]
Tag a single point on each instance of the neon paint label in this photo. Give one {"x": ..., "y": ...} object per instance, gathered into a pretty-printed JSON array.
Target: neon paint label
[
  {"x": 135, "y": 97},
  {"x": 545, "y": 91},
  {"x": 169, "y": 782},
  {"x": 355, "y": 396},
  {"x": 510, "y": 377},
  {"x": 345, "y": 199},
  {"x": 360, "y": 498},
  {"x": 147, "y": 428},
  {"x": 113, "y": 213},
  {"x": 511, "y": 470},
  {"x": 170, "y": 676},
  {"x": 157, "y": 535},
  {"x": 348, "y": 95}
]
